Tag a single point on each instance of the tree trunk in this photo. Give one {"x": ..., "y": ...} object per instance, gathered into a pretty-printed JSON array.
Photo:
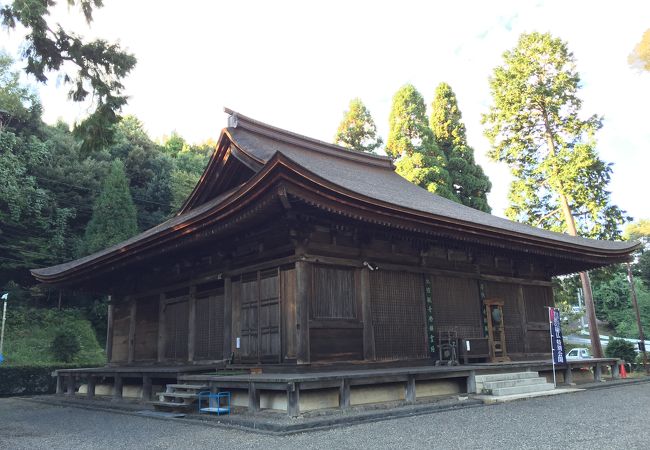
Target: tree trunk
[{"x": 594, "y": 335}]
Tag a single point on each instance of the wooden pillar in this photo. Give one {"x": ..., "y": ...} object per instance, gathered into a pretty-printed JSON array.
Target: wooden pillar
[
  {"x": 191, "y": 326},
  {"x": 253, "y": 398},
  {"x": 568, "y": 375},
  {"x": 71, "y": 384},
  {"x": 146, "y": 388},
  {"x": 293, "y": 399},
  {"x": 366, "y": 315},
  {"x": 410, "y": 389},
  {"x": 90, "y": 393},
  {"x": 59, "y": 383},
  {"x": 598, "y": 372},
  {"x": 161, "y": 328},
  {"x": 344, "y": 394},
  {"x": 303, "y": 291},
  {"x": 227, "y": 317},
  {"x": 132, "y": 313},
  {"x": 109, "y": 330},
  {"x": 521, "y": 305},
  {"x": 616, "y": 373},
  {"x": 117, "y": 387},
  {"x": 471, "y": 383}
]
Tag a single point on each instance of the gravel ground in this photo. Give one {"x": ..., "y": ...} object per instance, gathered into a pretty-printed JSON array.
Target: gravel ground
[{"x": 599, "y": 418}]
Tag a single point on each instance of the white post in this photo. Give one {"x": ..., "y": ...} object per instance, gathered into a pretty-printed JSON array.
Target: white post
[
  {"x": 550, "y": 331},
  {"x": 5, "y": 297}
]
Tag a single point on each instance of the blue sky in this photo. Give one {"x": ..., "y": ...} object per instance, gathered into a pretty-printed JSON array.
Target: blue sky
[{"x": 297, "y": 64}]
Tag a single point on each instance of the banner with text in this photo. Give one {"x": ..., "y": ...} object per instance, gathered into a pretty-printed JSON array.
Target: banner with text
[{"x": 557, "y": 341}]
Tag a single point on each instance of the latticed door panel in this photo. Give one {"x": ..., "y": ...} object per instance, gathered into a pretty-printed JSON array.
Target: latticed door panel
[
  {"x": 398, "y": 315},
  {"x": 209, "y": 327},
  {"x": 176, "y": 328},
  {"x": 269, "y": 316},
  {"x": 249, "y": 317}
]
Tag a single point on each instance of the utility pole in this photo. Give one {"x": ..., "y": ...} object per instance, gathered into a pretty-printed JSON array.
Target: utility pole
[
  {"x": 5, "y": 298},
  {"x": 630, "y": 280}
]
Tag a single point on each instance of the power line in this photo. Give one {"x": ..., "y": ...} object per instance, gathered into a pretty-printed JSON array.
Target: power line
[{"x": 135, "y": 199}]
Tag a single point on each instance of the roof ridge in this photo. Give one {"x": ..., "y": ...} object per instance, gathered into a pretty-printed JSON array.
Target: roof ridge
[{"x": 237, "y": 120}]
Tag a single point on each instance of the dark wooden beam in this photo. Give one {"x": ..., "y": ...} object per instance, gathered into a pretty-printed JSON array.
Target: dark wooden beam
[
  {"x": 191, "y": 326},
  {"x": 161, "y": 328},
  {"x": 366, "y": 315},
  {"x": 132, "y": 318},
  {"x": 109, "y": 330},
  {"x": 146, "y": 388},
  {"x": 117, "y": 387},
  {"x": 90, "y": 393},
  {"x": 227, "y": 317},
  {"x": 303, "y": 291}
]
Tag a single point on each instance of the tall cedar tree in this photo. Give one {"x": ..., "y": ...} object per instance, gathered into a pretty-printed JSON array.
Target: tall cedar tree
[
  {"x": 357, "y": 130},
  {"x": 468, "y": 180},
  {"x": 95, "y": 67},
  {"x": 412, "y": 146},
  {"x": 640, "y": 56},
  {"x": 534, "y": 126},
  {"x": 114, "y": 215}
]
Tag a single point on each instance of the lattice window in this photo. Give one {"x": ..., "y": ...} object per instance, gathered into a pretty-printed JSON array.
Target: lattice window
[
  {"x": 536, "y": 299},
  {"x": 398, "y": 315},
  {"x": 333, "y": 293},
  {"x": 457, "y": 306}
]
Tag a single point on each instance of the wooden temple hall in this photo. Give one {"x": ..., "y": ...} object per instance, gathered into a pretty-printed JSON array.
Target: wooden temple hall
[{"x": 293, "y": 256}]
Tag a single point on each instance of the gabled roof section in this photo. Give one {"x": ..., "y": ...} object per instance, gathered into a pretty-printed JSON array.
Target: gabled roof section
[
  {"x": 252, "y": 157},
  {"x": 246, "y": 145}
]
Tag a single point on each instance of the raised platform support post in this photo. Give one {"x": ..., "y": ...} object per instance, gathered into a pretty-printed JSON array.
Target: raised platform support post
[
  {"x": 117, "y": 387},
  {"x": 146, "y": 388},
  {"x": 471, "y": 383},
  {"x": 71, "y": 384},
  {"x": 598, "y": 372},
  {"x": 410, "y": 389},
  {"x": 90, "y": 393},
  {"x": 616, "y": 371},
  {"x": 568, "y": 375},
  {"x": 344, "y": 394},
  {"x": 293, "y": 399},
  {"x": 253, "y": 398}
]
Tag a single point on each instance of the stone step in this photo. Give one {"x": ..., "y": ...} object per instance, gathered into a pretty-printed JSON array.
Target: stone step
[
  {"x": 489, "y": 385},
  {"x": 540, "y": 387},
  {"x": 186, "y": 387},
  {"x": 506, "y": 376},
  {"x": 166, "y": 406},
  {"x": 177, "y": 394}
]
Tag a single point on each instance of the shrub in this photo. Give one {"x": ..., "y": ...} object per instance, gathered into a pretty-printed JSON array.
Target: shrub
[
  {"x": 65, "y": 345},
  {"x": 618, "y": 348}
]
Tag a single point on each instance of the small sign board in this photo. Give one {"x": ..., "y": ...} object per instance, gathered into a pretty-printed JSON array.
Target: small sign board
[
  {"x": 557, "y": 341},
  {"x": 431, "y": 339}
]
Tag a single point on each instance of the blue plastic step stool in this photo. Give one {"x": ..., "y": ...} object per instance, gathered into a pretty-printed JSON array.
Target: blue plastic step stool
[{"x": 218, "y": 402}]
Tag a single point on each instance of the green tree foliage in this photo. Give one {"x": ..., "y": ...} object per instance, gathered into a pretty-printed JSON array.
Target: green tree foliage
[
  {"x": 534, "y": 126},
  {"x": 411, "y": 144},
  {"x": 468, "y": 180},
  {"x": 114, "y": 215},
  {"x": 618, "y": 348},
  {"x": 95, "y": 67},
  {"x": 640, "y": 231},
  {"x": 65, "y": 345},
  {"x": 640, "y": 56},
  {"x": 357, "y": 130}
]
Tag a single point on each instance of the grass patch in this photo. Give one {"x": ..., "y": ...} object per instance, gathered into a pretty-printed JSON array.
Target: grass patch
[{"x": 30, "y": 332}]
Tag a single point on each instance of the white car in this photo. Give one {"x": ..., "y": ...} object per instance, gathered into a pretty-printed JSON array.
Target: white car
[{"x": 578, "y": 353}]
